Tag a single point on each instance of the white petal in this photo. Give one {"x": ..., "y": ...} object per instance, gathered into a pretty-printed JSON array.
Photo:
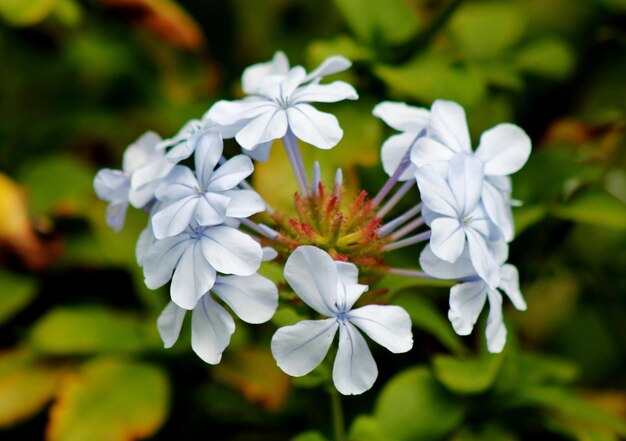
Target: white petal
[
  {"x": 169, "y": 323},
  {"x": 115, "y": 215},
  {"x": 161, "y": 259},
  {"x": 498, "y": 210},
  {"x": 226, "y": 113},
  {"x": 142, "y": 152},
  {"x": 393, "y": 151},
  {"x": 348, "y": 288},
  {"x": 144, "y": 242},
  {"x": 111, "y": 185},
  {"x": 261, "y": 152},
  {"x": 387, "y": 325},
  {"x": 231, "y": 173},
  {"x": 179, "y": 184},
  {"x": 354, "y": 370},
  {"x": 430, "y": 152},
  {"x": 300, "y": 348},
  {"x": 150, "y": 174},
  {"x": 211, "y": 209},
  {"x": 208, "y": 153},
  {"x": 448, "y": 238},
  {"x": 331, "y": 65},
  {"x": 174, "y": 217},
  {"x": 211, "y": 328},
  {"x": 402, "y": 117},
  {"x": 267, "y": 126},
  {"x": 314, "y": 127},
  {"x": 435, "y": 192},
  {"x": 244, "y": 203},
  {"x": 324, "y": 93},
  {"x": 496, "y": 331},
  {"x": 482, "y": 258},
  {"x": 465, "y": 175},
  {"x": 504, "y": 149},
  {"x": 254, "y": 75},
  {"x": 312, "y": 274},
  {"x": 449, "y": 125},
  {"x": 269, "y": 254},
  {"x": 439, "y": 268},
  {"x": 231, "y": 251},
  {"x": 509, "y": 283},
  {"x": 193, "y": 277},
  {"x": 253, "y": 298},
  {"x": 139, "y": 198},
  {"x": 466, "y": 301}
]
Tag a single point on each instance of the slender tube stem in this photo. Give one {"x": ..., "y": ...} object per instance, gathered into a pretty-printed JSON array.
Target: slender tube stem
[
  {"x": 402, "y": 167},
  {"x": 263, "y": 230},
  {"x": 338, "y": 424},
  {"x": 395, "y": 223},
  {"x": 295, "y": 157},
  {"x": 408, "y": 241},
  {"x": 396, "y": 198},
  {"x": 407, "y": 228},
  {"x": 409, "y": 273}
]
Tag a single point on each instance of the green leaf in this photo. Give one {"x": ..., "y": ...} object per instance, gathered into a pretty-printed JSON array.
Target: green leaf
[
  {"x": 568, "y": 405},
  {"x": 596, "y": 208},
  {"x": 430, "y": 77},
  {"x": 17, "y": 292},
  {"x": 110, "y": 400},
  {"x": 340, "y": 45},
  {"x": 426, "y": 317},
  {"x": 549, "y": 57},
  {"x": 525, "y": 369},
  {"x": 26, "y": 386},
  {"x": 413, "y": 406},
  {"x": 483, "y": 30},
  {"x": 390, "y": 21},
  {"x": 469, "y": 375},
  {"x": 26, "y": 13},
  {"x": 367, "y": 428},
  {"x": 310, "y": 436},
  {"x": 91, "y": 329},
  {"x": 528, "y": 215},
  {"x": 59, "y": 185},
  {"x": 286, "y": 316}
]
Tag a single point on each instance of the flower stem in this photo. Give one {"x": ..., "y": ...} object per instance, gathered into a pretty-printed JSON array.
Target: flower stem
[
  {"x": 395, "y": 223},
  {"x": 402, "y": 167},
  {"x": 407, "y": 228},
  {"x": 338, "y": 424},
  {"x": 421, "y": 237},
  {"x": 409, "y": 273},
  {"x": 293, "y": 152},
  {"x": 395, "y": 198}
]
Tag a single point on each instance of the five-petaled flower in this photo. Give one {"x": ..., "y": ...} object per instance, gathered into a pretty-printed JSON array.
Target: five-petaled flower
[
  {"x": 279, "y": 101},
  {"x": 331, "y": 288}
]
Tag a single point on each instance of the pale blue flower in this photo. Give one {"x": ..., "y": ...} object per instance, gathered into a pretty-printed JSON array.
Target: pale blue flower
[{"x": 331, "y": 288}]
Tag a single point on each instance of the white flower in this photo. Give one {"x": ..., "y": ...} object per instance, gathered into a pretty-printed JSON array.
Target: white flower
[
  {"x": 407, "y": 119},
  {"x": 195, "y": 256},
  {"x": 115, "y": 185},
  {"x": 467, "y": 299},
  {"x": 455, "y": 216},
  {"x": 253, "y": 299},
  {"x": 207, "y": 197},
  {"x": 331, "y": 288},
  {"x": 503, "y": 149},
  {"x": 279, "y": 102},
  {"x": 179, "y": 148}
]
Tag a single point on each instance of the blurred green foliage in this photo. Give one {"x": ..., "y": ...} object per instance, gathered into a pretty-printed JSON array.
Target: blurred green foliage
[{"x": 81, "y": 79}]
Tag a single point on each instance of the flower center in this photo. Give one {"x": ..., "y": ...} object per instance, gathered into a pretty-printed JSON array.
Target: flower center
[{"x": 342, "y": 316}]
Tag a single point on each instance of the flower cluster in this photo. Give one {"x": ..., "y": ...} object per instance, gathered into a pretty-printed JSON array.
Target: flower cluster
[{"x": 200, "y": 237}]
